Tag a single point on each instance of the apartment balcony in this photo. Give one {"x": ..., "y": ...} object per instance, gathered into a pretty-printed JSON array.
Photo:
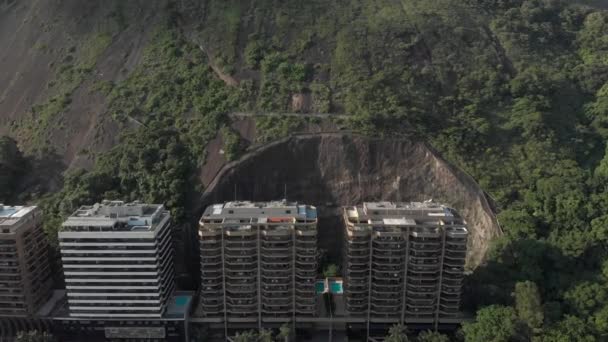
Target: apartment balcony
[
  {"x": 239, "y": 248},
  {"x": 286, "y": 272},
  {"x": 274, "y": 301},
  {"x": 453, "y": 269},
  {"x": 212, "y": 251},
  {"x": 239, "y": 233},
  {"x": 421, "y": 289},
  {"x": 386, "y": 275},
  {"x": 357, "y": 242},
  {"x": 306, "y": 232},
  {"x": 421, "y": 303},
  {"x": 205, "y": 233},
  {"x": 242, "y": 311},
  {"x": 352, "y": 252},
  {"x": 386, "y": 290},
  {"x": 236, "y": 278},
  {"x": 211, "y": 274},
  {"x": 357, "y": 273},
  {"x": 240, "y": 261},
  {"x": 268, "y": 261},
  {"x": 211, "y": 262},
  {"x": 301, "y": 259},
  {"x": 306, "y": 273},
  {"x": 357, "y": 249},
  {"x": 453, "y": 263},
  {"x": 359, "y": 262},
  {"x": 413, "y": 276},
  {"x": 246, "y": 240},
  {"x": 277, "y": 290},
  {"x": 423, "y": 269},
  {"x": 386, "y": 261},
  {"x": 420, "y": 313},
  {"x": 211, "y": 289},
  {"x": 276, "y": 233},
  {"x": 276, "y": 281},
  {"x": 210, "y": 310},
  {"x": 386, "y": 295},
  {"x": 452, "y": 282},
  {"x": 357, "y": 290},
  {"x": 302, "y": 250},
  {"x": 383, "y": 311},
  {"x": 239, "y": 289},
  {"x": 449, "y": 308},
  {"x": 356, "y": 310},
  {"x": 283, "y": 294},
  {"x": 240, "y": 252}
]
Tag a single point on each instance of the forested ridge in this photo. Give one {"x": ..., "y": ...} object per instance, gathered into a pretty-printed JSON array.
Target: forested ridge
[{"x": 514, "y": 92}]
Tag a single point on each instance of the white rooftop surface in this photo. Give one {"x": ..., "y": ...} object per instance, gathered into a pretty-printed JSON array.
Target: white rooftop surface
[
  {"x": 260, "y": 210},
  {"x": 122, "y": 216},
  {"x": 10, "y": 216}
]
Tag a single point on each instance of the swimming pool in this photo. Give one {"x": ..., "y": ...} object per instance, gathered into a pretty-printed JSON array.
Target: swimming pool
[
  {"x": 320, "y": 286},
  {"x": 335, "y": 286},
  {"x": 181, "y": 300}
]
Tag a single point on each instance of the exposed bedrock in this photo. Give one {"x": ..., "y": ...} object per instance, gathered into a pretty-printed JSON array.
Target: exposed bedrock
[{"x": 337, "y": 169}]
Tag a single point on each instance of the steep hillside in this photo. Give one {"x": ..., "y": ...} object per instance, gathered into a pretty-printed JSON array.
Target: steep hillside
[{"x": 56, "y": 56}]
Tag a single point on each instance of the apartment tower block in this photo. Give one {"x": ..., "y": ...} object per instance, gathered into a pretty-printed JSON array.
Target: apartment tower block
[
  {"x": 25, "y": 277},
  {"x": 258, "y": 261},
  {"x": 118, "y": 260},
  {"x": 404, "y": 262}
]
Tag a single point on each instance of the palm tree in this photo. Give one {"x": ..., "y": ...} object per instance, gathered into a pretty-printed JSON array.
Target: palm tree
[
  {"x": 284, "y": 333},
  {"x": 397, "y": 333}
]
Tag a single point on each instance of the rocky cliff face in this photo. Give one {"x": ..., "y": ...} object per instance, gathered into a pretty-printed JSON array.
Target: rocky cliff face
[{"x": 333, "y": 170}]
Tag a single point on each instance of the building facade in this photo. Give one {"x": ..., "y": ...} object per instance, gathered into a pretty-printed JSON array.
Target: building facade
[
  {"x": 118, "y": 260},
  {"x": 403, "y": 262},
  {"x": 25, "y": 277},
  {"x": 258, "y": 261}
]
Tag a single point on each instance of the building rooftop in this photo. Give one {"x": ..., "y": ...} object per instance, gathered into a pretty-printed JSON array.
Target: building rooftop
[
  {"x": 403, "y": 213},
  {"x": 116, "y": 216},
  {"x": 11, "y": 217},
  {"x": 260, "y": 210}
]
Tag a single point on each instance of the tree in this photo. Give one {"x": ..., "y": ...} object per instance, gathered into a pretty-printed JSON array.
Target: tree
[
  {"x": 265, "y": 335},
  {"x": 528, "y": 304},
  {"x": 330, "y": 271},
  {"x": 246, "y": 336},
  {"x": 34, "y": 336},
  {"x": 284, "y": 333},
  {"x": 570, "y": 329},
  {"x": 397, "y": 333},
  {"x": 493, "y": 323},
  {"x": 432, "y": 336}
]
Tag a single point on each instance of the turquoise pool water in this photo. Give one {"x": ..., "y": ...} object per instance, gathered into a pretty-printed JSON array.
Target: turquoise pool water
[
  {"x": 336, "y": 287},
  {"x": 320, "y": 287},
  {"x": 181, "y": 300}
]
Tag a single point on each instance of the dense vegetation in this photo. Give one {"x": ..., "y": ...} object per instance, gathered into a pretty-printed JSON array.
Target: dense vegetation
[{"x": 515, "y": 92}]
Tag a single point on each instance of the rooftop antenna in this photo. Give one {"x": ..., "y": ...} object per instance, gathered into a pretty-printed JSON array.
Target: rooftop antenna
[{"x": 285, "y": 191}]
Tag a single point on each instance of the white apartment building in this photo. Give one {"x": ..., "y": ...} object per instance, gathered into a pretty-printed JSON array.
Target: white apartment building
[{"x": 118, "y": 260}]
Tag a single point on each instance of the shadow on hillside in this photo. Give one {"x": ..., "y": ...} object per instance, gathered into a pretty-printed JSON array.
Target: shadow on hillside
[{"x": 521, "y": 260}]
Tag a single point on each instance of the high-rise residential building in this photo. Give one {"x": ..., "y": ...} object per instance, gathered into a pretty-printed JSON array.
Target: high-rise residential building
[
  {"x": 118, "y": 260},
  {"x": 25, "y": 277},
  {"x": 404, "y": 262},
  {"x": 258, "y": 261}
]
